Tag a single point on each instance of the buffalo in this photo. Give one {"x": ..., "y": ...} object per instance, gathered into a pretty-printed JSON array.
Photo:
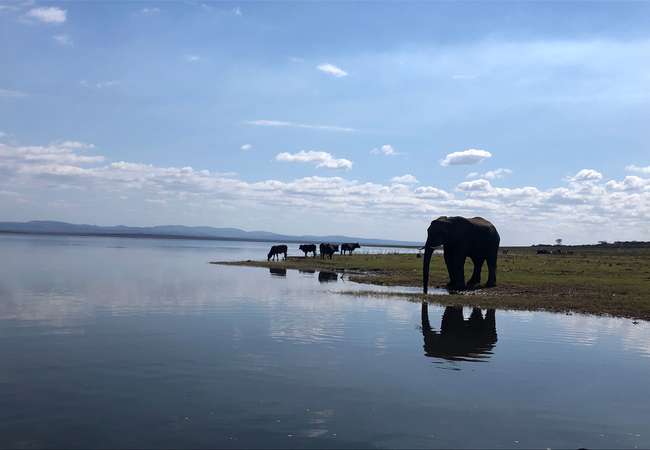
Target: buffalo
[
  {"x": 275, "y": 252},
  {"x": 328, "y": 249},
  {"x": 349, "y": 247},
  {"x": 308, "y": 248}
]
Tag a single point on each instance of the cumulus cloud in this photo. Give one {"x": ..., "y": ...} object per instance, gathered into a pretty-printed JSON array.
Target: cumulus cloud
[
  {"x": 63, "y": 39},
  {"x": 276, "y": 123},
  {"x": 406, "y": 179},
  {"x": 496, "y": 173},
  {"x": 192, "y": 58},
  {"x": 246, "y": 147},
  {"x": 332, "y": 70},
  {"x": 591, "y": 210},
  {"x": 476, "y": 185},
  {"x": 472, "y": 175},
  {"x": 586, "y": 176},
  {"x": 631, "y": 183},
  {"x": 634, "y": 168},
  {"x": 321, "y": 159},
  {"x": 466, "y": 158},
  {"x": 237, "y": 12},
  {"x": 432, "y": 193},
  {"x": 52, "y": 15},
  {"x": 386, "y": 149}
]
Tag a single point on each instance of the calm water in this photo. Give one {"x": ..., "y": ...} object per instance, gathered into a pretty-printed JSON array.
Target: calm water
[{"x": 110, "y": 342}]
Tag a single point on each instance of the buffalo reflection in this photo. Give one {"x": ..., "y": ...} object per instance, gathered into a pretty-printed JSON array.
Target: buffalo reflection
[
  {"x": 278, "y": 272},
  {"x": 459, "y": 339},
  {"x": 327, "y": 277}
]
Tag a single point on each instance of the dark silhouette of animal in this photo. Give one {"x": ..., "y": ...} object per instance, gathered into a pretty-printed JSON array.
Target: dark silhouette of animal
[
  {"x": 327, "y": 277},
  {"x": 308, "y": 248},
  {"x": 275, "y": 252},
  {"x": 460, "y": 238},
  {"x": 543, "y": 252},
  {"x": 349, "y": 247},
  {"x": 505, "y": 251},
  {"x": 473, "y": 339},
  {"x": 328, "y": 249}
]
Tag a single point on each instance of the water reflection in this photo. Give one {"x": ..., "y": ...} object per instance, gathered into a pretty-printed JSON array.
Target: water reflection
[
  {"x": 327, "y": 277},
  {"x": 459, "y": 339},
  {"x": 278, "y": 272}
]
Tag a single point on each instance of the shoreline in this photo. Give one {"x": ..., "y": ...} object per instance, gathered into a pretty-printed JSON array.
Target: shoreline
[{"x": 601, "y": 282}]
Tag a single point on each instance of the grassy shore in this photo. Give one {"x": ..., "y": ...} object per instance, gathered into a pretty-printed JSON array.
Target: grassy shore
[{"x": 596, "y": 281}]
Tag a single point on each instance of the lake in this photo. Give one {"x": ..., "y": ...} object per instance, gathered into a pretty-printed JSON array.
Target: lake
[{"x": 132, "y": 343}]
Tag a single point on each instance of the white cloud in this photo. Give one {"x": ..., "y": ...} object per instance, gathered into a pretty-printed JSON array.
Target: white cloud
[
  {"x": 386, "y": 149},
  {"x": 6, "y": 93},
  {"x": 634, "y": 168},
  {"x": 2, "y": 134},
  {"x": 332, "y": 70},
  {"x": 476, "y": 185},
  {"x": 237, "y": 12},
  {"x": 583, "y": 212},
  {"x": 472, "y": 175},
  {"x": 321, "y": 159},
  {"x": 156, "y": 201},
  {"x": 246, "y": 147},
  {"x": 631, "y": 183},
  {"x": 192, "y": 58},
  {"x": 150, "y": 10},
  {"x": 51, "y": 15},
  {"x": 496, "y": 173},
  {"x": 466, "y": 158},
  {"x": 275, "y": 123},
  {"x": 464, "y": 77},
  {"x": 432, "y": 193},
  {"x": 8, "y": 8},
  {"x": 63, "y": 39},
  {"x": 586, "y": 176},
  {"x": 105, "y": 84},
  {"x": 298, "y": 60},
  {"x": 406, "y": 179}
]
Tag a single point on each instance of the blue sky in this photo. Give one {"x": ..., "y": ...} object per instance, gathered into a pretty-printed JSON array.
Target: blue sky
[{"x": 366, "y": 119}]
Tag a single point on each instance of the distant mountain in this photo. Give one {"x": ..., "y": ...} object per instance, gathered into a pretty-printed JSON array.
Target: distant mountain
[{"x": 182, "y": 232}]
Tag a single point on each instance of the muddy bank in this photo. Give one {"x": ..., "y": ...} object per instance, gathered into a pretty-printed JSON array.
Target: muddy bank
[{"x": 601, "y": 282}]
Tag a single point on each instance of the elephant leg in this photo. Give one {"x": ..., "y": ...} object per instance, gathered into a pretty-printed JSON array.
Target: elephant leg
[
  {"x": 476, "y": 275},
  {"x": 450, "y": 268},
  {"x": 459, "y": 271},
  {"x": 492, "y": 271}
]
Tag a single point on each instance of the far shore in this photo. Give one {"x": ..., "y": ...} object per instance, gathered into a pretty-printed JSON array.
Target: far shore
[{"x": 591, "y": 280}]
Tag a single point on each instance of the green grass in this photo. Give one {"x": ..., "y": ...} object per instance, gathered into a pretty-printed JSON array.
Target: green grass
[{"x": 612, "y": 282}]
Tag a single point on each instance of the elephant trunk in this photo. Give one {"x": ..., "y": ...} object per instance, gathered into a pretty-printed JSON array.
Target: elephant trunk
[{"x": 428, "y": 251}]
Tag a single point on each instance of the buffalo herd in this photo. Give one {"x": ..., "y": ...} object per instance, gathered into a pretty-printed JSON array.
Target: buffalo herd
[{"x": 325, "y": 249}]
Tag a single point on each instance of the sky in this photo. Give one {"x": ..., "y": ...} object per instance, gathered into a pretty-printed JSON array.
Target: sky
[{"x": 364, "y": 119}]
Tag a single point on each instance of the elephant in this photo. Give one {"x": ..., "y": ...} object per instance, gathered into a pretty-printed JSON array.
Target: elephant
[{"x": 460, "y": 238}]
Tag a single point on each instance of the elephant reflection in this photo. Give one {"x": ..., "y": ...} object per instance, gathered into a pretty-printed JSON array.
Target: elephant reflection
[
  {"x": 459, "y": 339},
  {"x": 327, "y": 277}
]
